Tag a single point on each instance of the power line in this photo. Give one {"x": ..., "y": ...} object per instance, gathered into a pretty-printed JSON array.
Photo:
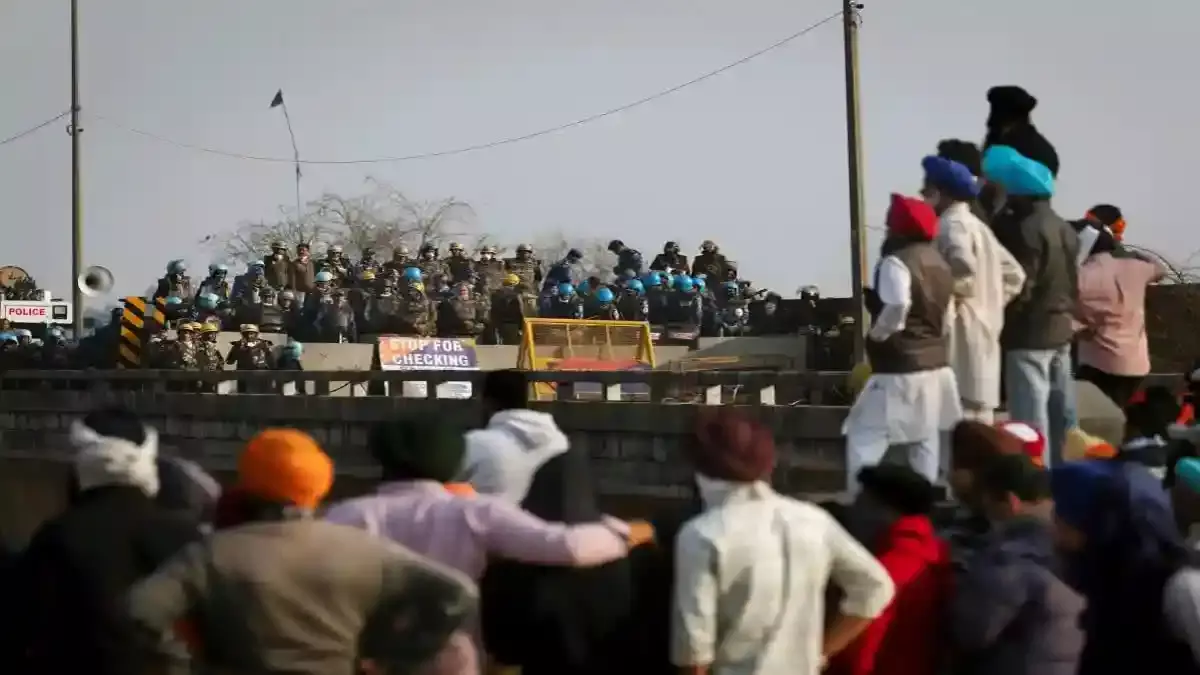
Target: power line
[
  {"x": 33, "y": 130},
  {"x": 493, "y": 144}
]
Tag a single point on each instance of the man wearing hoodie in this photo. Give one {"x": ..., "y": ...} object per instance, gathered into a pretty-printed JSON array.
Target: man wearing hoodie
[
  {"x": 63, "y": 615},
  {"x": 502, "y": 458},
  {"x": 1039, "y": 323}
]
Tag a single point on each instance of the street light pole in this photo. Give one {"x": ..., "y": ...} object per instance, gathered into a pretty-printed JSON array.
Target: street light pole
[
  {"x": 75, "y": 130},
  {"x": 858, "y": 229}
]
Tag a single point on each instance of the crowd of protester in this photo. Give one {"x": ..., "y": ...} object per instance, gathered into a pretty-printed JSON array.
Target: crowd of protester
[{"x": 487, "y": 552}]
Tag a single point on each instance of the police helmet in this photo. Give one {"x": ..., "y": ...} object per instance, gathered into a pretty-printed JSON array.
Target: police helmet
[
  {"x": 683, "y": 283},
  {"x": 209, "y": 327},
  {"x": 208, "y": 300},
  {"x": 671, "y": 247},
  {"x": 637, "y": 286},
  {"x": 583, "y": 286},
  {"x": 575, "y": 254},
  {"x": 247, "y": 328},
  {"x": 652, "y": 280},
  {"x": 511, "y": 280},
  {"x": 367, "y": 275},
  {"x": 336, "y": 248},
  {"x": 412, "y": 273},
  {"x": 217, "y": 268},
  {"x": 566, "y": 289},
  {"x": 455, "y": 246},
  {"x": 700, "y": 284},
  {"x": 524, "y": 248},
  {"x": 174, "y": 300},
  {"x": 176, "y": 267},
  {"x": 324, "y": 276},
  {"x": 604, "y": 294}
]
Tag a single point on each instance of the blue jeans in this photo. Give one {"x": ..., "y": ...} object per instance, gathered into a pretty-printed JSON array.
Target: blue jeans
[{"x": 1041, "y": 393}]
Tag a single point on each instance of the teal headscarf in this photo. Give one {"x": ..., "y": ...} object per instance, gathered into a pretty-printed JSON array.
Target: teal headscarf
[{"x": 1016, "y": 173}]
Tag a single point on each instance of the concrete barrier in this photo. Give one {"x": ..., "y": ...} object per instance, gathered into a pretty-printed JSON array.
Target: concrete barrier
[{"x": 636, "y": 449}]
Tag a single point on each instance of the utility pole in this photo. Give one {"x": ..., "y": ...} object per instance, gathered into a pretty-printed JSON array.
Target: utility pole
[
  {"x": 76, "y": 190},
  {"x": 858, "y": 226}
]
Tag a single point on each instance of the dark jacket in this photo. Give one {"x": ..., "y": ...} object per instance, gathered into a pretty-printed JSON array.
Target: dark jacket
[
  {"x": 1011, "y": 614},
  {"x": 65, "y": 614},
  {"x": 1041, "y": 316},
  {"x": 556, "y": 621}
]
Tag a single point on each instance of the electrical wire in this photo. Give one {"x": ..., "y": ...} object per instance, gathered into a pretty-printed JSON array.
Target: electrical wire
[
  {"x": 33, "y": 130},
  {"x": 482, "y": 146}
]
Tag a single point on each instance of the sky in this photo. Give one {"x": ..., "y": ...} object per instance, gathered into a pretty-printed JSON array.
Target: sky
[{"x": 754, "y": 158}]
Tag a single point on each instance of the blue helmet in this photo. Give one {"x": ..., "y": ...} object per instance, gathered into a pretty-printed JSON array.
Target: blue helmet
[
  {"x": 637, "y": 286},
  {"x": 174, "y": 300},
  {"x": 700, "y": 285},
  {"x": 208, "y": 300},
  {"x": 584, "y": 286},
  {"x": 566, "y": 290},
  {"x": 412, "y": 273},
  {"x": 652, "y": 280},
  {"x": 604, "y": 294},
  {"x": 730, "y": 286},
  {"x": 683, "y": 283},
  {"x": 324, "y": 276},
  {"x": 294, "y": 348}
]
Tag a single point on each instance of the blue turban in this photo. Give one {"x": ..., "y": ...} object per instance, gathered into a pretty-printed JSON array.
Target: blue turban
[
  {"x": 1016, "y": 173},
  {"x": 948, "y": 175}
]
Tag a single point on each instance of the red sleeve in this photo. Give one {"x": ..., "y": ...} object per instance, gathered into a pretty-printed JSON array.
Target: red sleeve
[{"x": 859, "y": 657}]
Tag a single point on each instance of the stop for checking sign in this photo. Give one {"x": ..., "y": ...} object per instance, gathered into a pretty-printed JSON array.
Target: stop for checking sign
[{"x": 33, "y": 311}]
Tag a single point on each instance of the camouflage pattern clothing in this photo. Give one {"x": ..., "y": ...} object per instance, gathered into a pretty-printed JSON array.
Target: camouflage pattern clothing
[
  {"x": 180, "y": 287},
  {"x": 413, "y": 314},
  {"x": 527, "y": 270},
  {"x": 459, "y": 268},
  {"x": 491, "y": 272},
  {"x": 208, "y": 356},
  {"x": 459, "y": 317},
  {"x": 250, "y": 354},
  {"x": 432, "y": 270}
]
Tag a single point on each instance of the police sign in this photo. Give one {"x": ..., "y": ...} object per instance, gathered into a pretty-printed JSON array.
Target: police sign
[
  {"x": 408, "y": 353},
  {"x": 36, "y": 311}
]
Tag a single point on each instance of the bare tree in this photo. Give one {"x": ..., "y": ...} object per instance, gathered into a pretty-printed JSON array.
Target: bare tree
[
  {"x": 251, "y": 240},
  {"x": 383, "y": 218}
]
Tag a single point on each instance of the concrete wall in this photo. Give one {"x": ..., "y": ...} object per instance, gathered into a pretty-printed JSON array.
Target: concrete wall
[{"x": 635, "y": 448}]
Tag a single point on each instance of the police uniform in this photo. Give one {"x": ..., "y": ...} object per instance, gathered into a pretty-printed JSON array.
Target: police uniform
[{"x": 250, "y": 353}]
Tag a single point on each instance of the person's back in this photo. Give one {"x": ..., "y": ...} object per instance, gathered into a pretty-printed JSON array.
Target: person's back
[
  {"x": 1112, "y": 298},
  {"x": 772, "y": 556},
  {"x": 286, "y": 596},
  {"x": 1041, "y": 316}
]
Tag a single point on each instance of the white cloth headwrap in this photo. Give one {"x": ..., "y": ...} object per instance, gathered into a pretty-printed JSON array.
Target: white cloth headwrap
[{"x": 101, "y": 461}]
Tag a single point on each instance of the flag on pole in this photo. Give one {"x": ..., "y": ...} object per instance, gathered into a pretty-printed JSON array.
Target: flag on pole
[{"x": 278, "y": 100}]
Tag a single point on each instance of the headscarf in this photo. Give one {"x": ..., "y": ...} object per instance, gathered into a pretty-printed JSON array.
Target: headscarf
[
  {"x": 973, "y": 444},
  {"x": 950, "y": 177},
  {"x": 1108, "y": 216},
  {"x": 911, "y": 219},
  {"x": 114, "y": 448},
  {"x": 1019, "y": 175},
  {"x": 963, "y": 152},
  {"x": 1008, "y": 123},
  {"x": 286, "y": 466},
  {"x": 731, "y": 447}
]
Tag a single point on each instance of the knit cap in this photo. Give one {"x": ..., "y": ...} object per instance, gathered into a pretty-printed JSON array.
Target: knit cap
[{"x": 285, "y": 466}]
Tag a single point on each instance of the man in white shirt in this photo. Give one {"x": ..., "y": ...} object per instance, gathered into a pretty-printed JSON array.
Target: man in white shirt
[
  {"x": 751, "y": 570},
  {"x": 986, "y": 277},
  {"x": 911, "y": 398}
]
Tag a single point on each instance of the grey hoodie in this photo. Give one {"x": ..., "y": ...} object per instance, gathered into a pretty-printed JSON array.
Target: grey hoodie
[{"x": 502, "y": 458}]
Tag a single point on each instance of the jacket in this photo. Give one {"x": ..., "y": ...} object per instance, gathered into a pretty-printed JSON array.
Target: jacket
[
  {"x": 1011, "y": 614},
  {"x": 907, "y": 638},
  {"x": 750, "y": 582},
  {"x": 64, "y": 615},
  {"x": 296, "y": 596},
  {"x": 556, "y": 621},
  {"x": 502, "y": 458},
  {"x": 1042, "y": 315},
  {"x": 1112, "y": 307},
  {"x": 915, "y": 289}
]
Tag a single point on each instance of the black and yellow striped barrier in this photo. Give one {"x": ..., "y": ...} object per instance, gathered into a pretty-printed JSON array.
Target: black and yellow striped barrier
[{"x": 139, "y": 320}]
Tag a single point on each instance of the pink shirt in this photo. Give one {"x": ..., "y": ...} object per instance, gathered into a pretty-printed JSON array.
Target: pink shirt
[
  {"x": 1112, "y": 306},
  {"x": 462, "y": 531}
]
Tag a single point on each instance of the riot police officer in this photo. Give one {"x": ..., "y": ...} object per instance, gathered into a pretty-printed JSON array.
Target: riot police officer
[
  {"x": 413, "y": 310},
  {"x": 565, "y": 304},
  {"x": 458, "y": 266},
  {"x": 670, "y": 259},
  {"x": 526, "y": 268},
  {"x": 250, "y": 353},
  {"x": 176, "y": 282},
  {"x": 460, "y": 316}
]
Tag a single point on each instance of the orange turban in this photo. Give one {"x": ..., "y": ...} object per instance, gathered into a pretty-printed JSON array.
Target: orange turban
[{"x": 286, "y": 466}]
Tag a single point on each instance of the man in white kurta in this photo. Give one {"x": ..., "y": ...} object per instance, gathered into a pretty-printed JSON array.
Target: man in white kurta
[
  {"x": 986, "y": 277},
  {"x": 911, "y": 398}
]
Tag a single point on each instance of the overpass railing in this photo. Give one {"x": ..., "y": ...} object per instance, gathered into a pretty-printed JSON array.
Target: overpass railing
[{"x": 716, "y": 387}]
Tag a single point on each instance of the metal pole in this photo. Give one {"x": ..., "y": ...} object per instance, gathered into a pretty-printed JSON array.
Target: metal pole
[
  {"x": 75, "y": 130},
  {"x": 858, "y": 229},
  {"x": 296, "y": 155}
]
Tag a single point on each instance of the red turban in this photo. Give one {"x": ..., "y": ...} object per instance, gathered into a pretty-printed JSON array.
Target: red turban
[
  {"x": 908, "y": 217},
  {"x": 729, "y": 446}
]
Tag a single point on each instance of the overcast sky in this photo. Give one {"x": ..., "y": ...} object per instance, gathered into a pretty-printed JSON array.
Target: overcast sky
[{"x": 754, "y": 158}]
